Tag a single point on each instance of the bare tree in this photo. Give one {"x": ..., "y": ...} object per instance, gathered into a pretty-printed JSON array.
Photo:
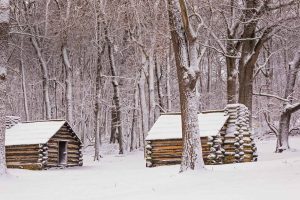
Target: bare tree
[
  {"x": 289, "y": 106},
  {"x": 4, "y": 29},
  {"x": 185, "y": 47}
]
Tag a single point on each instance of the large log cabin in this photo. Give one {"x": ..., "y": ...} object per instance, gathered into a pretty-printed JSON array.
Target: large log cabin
[
  {"x": 225, "y": 138},
  {"x": 42, "y": 145}
]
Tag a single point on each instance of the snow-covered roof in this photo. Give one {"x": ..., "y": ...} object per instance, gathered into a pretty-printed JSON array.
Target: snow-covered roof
[
  {"x": 169, "y": 126},
  {"x": 32, "y": 132}
]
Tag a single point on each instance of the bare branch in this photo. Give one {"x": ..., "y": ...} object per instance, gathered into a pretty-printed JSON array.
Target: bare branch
[{"x": 271, "y": 95}]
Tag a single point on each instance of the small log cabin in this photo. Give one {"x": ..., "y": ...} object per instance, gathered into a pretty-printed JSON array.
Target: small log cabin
[
  {"x": 42, "y": 145},
  {"x": 225, "y": 138}
]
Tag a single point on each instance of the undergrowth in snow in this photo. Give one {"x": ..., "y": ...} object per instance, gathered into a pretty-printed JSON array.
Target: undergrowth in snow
[{"x": 274, "y": 176}]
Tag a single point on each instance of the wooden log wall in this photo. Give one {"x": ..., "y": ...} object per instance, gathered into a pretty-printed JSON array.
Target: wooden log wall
[
  {"x": 233, "y": 144},
  {"x": 24, "y": 156},
  {"x": 169, "y": 151},
  {"x": 74, "y": 148}
]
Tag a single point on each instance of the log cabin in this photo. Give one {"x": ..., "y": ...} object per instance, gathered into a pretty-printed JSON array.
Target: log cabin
[
  {"x": 225, "y": 138},
  {"x": 42, "y": 145}
]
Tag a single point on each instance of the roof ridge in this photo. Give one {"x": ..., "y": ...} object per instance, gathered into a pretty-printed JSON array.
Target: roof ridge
[{"x": 49, "y": 120}]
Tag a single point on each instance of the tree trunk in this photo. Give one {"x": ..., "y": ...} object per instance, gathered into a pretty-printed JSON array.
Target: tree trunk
[
  {"x": 185, "y": 49},
  {"x": 158, "y": 74},
  {"x": 69, "y": 88},
  {"x": 151, "y": 68},
  {"x": 247, "y": 63},
  {"x": 134, "y": 119},
  {"x": 116, "y": 96},
  {"x": 231, "y": 81},
  {"x": 289, "y": 108},
  {"x": 4, "y": 29},
  {"x": 23, "y": 80},
  {"x": 246, "y": 86},
  {"x": 114, "y": 123},
  {"x": 44, "y": 68},
  {"x": 144, "y": 108},
  {"x": 168, "y": 87},
  {"x": 97, "y": 106},
  {"x": 284, "y": 129}
]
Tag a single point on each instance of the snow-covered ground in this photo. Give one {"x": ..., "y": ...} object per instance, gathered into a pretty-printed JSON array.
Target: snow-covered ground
[{"x": 274, "y": 176}]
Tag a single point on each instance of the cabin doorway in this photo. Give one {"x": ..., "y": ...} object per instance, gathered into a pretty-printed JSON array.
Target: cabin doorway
[{"x": 62, "y": 153}]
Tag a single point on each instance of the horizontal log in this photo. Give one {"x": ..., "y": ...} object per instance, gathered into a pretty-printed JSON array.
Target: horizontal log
[
  {"x": 72, "y": 160},
  {"x": 29, "y": 146},
  {"x": 52, "y": 146},
  {"x": 23, "y": 150},
  {"x": 70, "y": 143},
  {"x": 22, "y": 153},
  {"x": 73, "y": 156},
  {"x": 52, "y": 154},
  {"x": 22, "y": 157},
  {"x": 31, "y": 166},
  {"x": 167, "y": 147},
  {"x": 24, "y": 161},
  {"x": 63, "y": 137},
  {"x": 55, "y": 154}
]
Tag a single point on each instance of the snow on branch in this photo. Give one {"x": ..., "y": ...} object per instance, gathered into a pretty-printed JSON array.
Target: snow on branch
[{"x": 270, "y": 95}]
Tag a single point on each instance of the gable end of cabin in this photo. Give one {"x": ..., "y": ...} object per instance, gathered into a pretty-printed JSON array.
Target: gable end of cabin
[{"x": 64, "y": 149}]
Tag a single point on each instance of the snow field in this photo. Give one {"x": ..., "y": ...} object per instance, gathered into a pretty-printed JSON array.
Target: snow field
[{"x": 274, "y": 176}]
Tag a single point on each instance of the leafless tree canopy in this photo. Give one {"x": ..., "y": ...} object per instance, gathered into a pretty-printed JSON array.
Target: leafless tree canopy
[{"x": 109, "y": 68}]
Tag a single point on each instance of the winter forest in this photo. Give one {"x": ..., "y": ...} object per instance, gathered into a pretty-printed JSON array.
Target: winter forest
[{"x": 110, "y": 97}]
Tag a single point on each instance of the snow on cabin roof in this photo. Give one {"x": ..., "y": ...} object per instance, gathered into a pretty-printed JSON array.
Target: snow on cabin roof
[
  {"x": 32, "y": 132},
  {"x": 169, "y": 126}
]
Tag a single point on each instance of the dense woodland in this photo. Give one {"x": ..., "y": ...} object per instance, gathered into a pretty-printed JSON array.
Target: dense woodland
[{"x": 109, "y": 66}]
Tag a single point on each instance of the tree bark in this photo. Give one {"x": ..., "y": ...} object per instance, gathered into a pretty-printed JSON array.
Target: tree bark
[
  {"x": 134, "y": 119},
  {"x": 185, "y": 49},
  {"x": 151, "y": 68},
  {"x": 116, "y": 96},
  {"x": 68, "y": 81},
  {"x": 143, "y": 103},
  {"x": 168, "y": 87},
  {"x": 23, "y": 80},
  {"x": 158, "y": 74},
  {"x": 4, "y": 29},
  {"x": 97, "y": 103}
]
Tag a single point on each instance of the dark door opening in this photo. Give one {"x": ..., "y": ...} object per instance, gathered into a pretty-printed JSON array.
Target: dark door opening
[{"x": 62, "y": 153}]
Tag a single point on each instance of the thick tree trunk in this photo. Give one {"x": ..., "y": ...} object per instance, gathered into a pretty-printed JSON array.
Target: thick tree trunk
[
  {"x": 184, "y": 45},
  {"x": 4, "y": 28},
  {"x": 284, "y": 129},
  {"x": 249, "y": 56},
  {"x": 231, "y": 81},
  {"x": 246, "y": 86}
]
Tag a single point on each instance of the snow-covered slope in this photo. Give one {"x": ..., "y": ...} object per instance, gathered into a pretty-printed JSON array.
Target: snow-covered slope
[{"x": 273, "y": 177}]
